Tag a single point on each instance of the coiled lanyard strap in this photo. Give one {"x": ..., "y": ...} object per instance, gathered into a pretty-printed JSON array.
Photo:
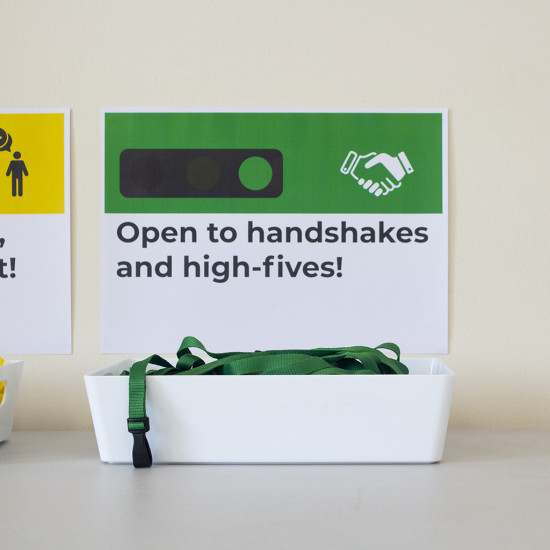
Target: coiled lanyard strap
[{"x": 348, "y": 360}]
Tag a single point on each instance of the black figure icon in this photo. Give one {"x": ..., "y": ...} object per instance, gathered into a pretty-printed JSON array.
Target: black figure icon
[{"x": 17, "y": 169}]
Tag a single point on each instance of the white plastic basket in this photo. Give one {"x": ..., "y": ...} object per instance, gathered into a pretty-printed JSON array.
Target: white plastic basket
[
  {"x": 10, "y": 378},
  {"x": 279, "y": 419}
]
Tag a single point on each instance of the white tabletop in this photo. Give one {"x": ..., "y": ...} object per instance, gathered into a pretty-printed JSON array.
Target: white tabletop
[{"x": 492, "y": 490}]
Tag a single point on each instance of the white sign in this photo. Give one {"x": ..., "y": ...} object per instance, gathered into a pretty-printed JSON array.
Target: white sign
[
  {"x": 35, "y": 259},
  {"x": 241, "y": 230}
]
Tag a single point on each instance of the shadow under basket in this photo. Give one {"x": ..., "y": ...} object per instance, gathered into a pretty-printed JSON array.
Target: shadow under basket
[
  {"x": 10, "y": 378},
  {"x": 279, "y": 419}
]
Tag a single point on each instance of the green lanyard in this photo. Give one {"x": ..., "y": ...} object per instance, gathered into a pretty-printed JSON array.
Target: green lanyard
[{"x": 349, "y": 360}]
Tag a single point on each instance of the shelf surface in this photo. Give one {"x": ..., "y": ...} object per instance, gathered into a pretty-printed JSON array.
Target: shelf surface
[{"x": 491, "y": 490}]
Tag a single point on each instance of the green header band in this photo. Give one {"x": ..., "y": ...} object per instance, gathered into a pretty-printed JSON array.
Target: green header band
[{"x": 341, "y": 163}]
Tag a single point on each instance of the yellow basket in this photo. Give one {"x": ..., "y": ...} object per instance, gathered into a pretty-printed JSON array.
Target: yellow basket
[{"x": 10, "y": 379}]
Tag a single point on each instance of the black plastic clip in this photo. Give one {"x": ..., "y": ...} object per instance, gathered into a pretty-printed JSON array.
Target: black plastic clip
[{"x": 141, "y": 452}]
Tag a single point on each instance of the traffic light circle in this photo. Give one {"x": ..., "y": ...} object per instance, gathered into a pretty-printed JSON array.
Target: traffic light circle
[
  {"x": 147, "y": 173},
  {"x": 255, "y": 173},
  {"x": 203, "y": 173}
]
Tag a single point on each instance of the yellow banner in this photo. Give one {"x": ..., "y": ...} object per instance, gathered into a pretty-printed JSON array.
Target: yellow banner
[{"x": 32, "y": 173}]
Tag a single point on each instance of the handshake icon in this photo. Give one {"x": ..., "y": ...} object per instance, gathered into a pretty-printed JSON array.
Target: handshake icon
[{"x": 378, "y": 174}]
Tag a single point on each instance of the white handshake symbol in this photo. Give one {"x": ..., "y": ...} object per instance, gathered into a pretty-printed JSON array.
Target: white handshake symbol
[{"x": 358, "y": 167}]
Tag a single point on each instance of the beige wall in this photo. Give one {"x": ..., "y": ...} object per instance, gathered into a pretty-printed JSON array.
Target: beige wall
[{"x": 486, "y": 60}]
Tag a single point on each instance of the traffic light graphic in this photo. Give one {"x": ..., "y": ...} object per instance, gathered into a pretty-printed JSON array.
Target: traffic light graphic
[{"x": 201, "y": 173}]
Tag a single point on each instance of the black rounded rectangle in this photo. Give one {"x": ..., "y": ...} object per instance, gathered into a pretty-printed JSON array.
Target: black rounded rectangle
[{"x": 201, "y": 173}]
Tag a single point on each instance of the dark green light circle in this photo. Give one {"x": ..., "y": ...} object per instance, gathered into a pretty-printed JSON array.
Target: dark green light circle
[{"x": 255, "y": 173}]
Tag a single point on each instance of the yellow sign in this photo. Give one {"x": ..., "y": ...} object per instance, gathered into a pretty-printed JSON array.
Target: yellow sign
[{"x": 32, "y": 163}]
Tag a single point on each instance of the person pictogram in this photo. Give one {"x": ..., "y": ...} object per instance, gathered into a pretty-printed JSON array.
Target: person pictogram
[{"x": 17, "y": 169}]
